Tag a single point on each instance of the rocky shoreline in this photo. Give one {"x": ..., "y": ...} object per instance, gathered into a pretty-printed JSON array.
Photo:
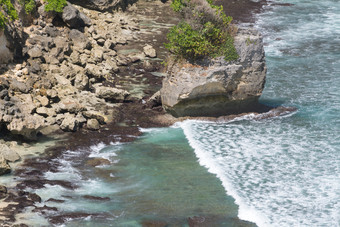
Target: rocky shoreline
[{"x": 90, "y": 84}]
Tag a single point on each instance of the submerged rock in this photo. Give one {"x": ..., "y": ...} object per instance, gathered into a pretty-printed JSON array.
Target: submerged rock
[{"x": 215, "y": 87}]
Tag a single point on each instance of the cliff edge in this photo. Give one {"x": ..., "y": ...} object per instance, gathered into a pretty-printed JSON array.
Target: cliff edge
[{"x": 215, "y": 87}]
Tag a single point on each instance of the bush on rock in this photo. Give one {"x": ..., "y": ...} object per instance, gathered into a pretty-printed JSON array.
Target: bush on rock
[{"x": 204, "y": 31}]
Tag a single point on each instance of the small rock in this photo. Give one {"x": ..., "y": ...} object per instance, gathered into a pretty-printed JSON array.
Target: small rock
[
  {"x": 97, "y": 162},
  {"x": 70, "y": 123},
  {"x": 3, "y": 189},
  {"x": 35, "y": 52},
  {"x": 92, "y": 124},
  {"x": 149, "y": 51},
  {"x": 8, "y": 154},
  {"x": 111, "y": 94},
  {"x": 4, "y": 167}
]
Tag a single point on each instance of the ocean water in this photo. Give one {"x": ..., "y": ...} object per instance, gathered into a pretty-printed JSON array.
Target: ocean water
[
  {"x": 286, "y": 171},
  {"x": 277, "y": 172}
]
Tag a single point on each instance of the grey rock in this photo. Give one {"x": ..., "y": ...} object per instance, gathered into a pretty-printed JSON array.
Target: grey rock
[
  {"x": 70, "y": 123},
  {"x": 29, "y": 126},
  {"x": 35, "y": 52},
  {"x": 19, "y": 86},
  {"x": 70, "y": 105},
  {"x": 215, "y": 87},
  {"x": 100, "y": 117},
  {"x": 43, "y": 111},
  {"x": 92, "y": 124},
  {"x": 4, "y": 167},
  {"x": 81, "y": 82},
  {"x": 80, "y": 41},
  {"x": 8, "y": 153},
  {"x": 103, "y": 5},
  {"x": 73, "y": 18},
  {"x": 111, "y": 94}
]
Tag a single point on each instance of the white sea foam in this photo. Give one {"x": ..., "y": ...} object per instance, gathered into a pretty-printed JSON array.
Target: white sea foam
[{"x": 277, "y": 175}]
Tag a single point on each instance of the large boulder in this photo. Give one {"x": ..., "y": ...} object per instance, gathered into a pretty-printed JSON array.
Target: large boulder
[
  {"x": 215, "y": 87},
  {"x": 103, "y": 5},
  {"x": 74, "y": 18},
  {"x": 28, "y": 126}
]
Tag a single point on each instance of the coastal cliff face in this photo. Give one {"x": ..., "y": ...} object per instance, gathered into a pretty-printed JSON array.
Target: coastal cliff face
[
  {"x": 5, "y": 54},
  {"x": 214, "y": 87},
  {"x": 103, "y": 5}
]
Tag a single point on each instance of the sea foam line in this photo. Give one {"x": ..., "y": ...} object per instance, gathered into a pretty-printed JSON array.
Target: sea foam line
[{"x": 206, "y": 159}]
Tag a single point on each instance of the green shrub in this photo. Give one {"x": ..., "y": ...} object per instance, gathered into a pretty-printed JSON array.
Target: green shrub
[
  {"x": 55, "y": 5},
  {"x": 204, "y": 31},
  {"x": 7, "y": 12},
  {"x": 29, "y": 6}
]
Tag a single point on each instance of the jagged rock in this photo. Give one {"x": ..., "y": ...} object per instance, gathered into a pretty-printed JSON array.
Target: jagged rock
[
  {"x": 43, "y": 41},
  {"x": 149, "y": 51},
  {"x": 43, "y": 111},
  {"x": 81, "y": 81},
  {"x": 100, "y": 117},
  {"x": 52, "y": 31},
  {"x": 92, "y": 124},
  {"x": 103, "y": 5},
  {"x": 155, "y": 100},
  {"x": 70, "y": 123},
  {"x": 80, "y": 41},
  {"x": 94, "y": 71},
  {"x": 29, "y": 126},
  {"x": 4, "y": 167},
  {"x": 35, "y": 52},
  {"x": 19, "y": 86},
  {"x": 97, "y": 54},
  {"x": 8, "y": 153},
  {"x": 43, "y": 100},
  {"x": 214, "y": 87},
  {"x": 70, "y": 105},
  {"x": 73, "y": 18},
  {"x": 111, "y": 94}
]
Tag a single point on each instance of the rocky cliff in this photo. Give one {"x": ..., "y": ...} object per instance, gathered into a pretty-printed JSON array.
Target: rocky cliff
[
  {"x": 214, "y": 87},
  {"x": 103, "y": 5}
]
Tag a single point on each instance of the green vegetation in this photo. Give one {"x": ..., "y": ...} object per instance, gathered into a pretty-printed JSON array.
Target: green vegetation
[
  {"x": 55, "y": 5},
  {"x": 7, "y": 12},
  {"x": 204, "y": 31},
  {"x": 29, "y": 5}
]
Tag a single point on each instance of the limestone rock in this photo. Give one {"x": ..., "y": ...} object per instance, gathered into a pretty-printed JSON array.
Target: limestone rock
[
  {"x": 92, "y": 124},
  {"x": 8, "y": 154},
  {"x": 149, "y": 51},
  {"x": 214, "y": 87},
  {"x": 70, "y": 123},
  {"x": 103, "y": 5},
  {"x": 29, "y": 126},
  {"x": 4, "y": 167},
  {"x": 111, "y": 94},
  {"x": 100, "y": 117}
]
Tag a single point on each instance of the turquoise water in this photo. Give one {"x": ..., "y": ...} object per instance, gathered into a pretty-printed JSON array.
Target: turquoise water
[
  {"x": 283, "y": 171},
  {"x": 154, "y": 179}
]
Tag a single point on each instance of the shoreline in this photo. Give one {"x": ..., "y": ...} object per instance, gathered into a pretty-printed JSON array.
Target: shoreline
[{"x": 127, "y": 127}]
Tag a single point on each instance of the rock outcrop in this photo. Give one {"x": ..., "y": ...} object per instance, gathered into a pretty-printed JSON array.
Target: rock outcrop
[
  {"x": 103, "y": 5},
  {"x": 214, "y": 87}
]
